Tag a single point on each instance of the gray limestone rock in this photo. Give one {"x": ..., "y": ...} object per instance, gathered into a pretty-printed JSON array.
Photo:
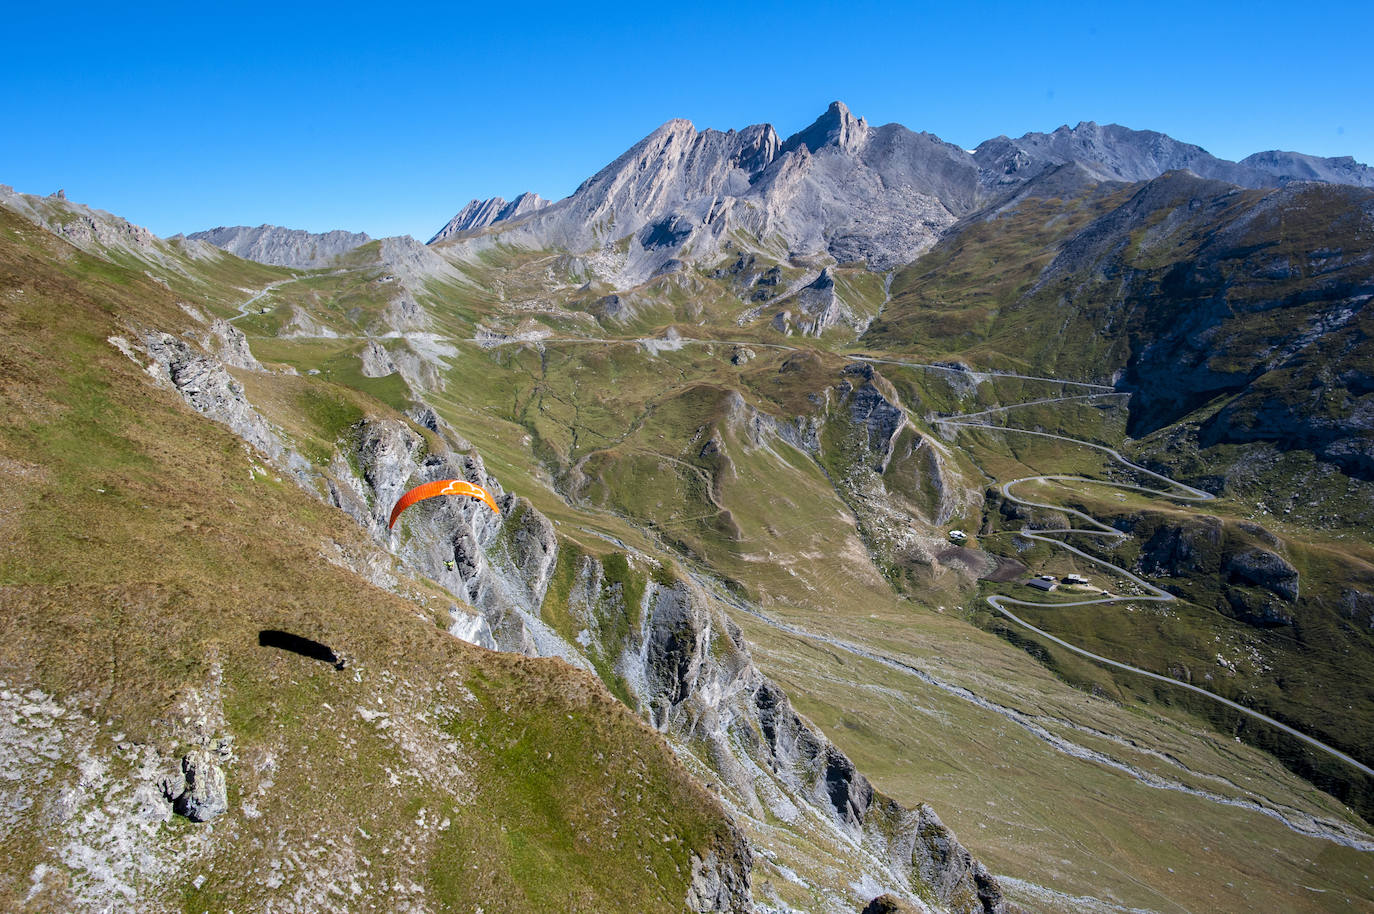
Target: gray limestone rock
[
  {"x": 230, "y": 345},
  {"x": 208, "y": 387},
  {"x": 376, "y": 360},
  {"x": 1264, "y": 569},
  {"x": 721, "y": 884},
  {"x": 204, "y": 795},
  {"x": 282, "y": 247},
  {"x": 870, "y": 408},
  {"x": 481, "y": 213},
  {"x": 841, "y": 188},
  {"x": 411, "y": 263},
  {"x": 821, "y": 307},
  {"x": 880, "y": 194}
]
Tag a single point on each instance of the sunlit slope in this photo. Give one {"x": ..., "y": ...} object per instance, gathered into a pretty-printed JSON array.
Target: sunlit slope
[{"x": 147, "y": 549}]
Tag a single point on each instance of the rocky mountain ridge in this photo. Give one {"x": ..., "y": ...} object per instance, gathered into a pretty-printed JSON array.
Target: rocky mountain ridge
[
  {"x": 840, "y": 188},
  {"x": 283, "y": 247},
  {"x": 1111, "y": 152},
  {"x": 481, "y": 213}
]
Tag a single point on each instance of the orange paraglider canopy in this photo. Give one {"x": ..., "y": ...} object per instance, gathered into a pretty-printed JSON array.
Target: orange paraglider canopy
[{"x": 441, "y": 487}]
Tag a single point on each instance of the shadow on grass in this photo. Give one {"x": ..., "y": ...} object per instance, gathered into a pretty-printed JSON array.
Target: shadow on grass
[{"x": 270, "y": 637}]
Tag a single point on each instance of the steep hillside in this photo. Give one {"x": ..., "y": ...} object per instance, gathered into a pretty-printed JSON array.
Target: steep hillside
[
  {"x": 311, "y": 585},
  {"x": 1240, "y": 314},
  {"x": 152, "y": 556}
]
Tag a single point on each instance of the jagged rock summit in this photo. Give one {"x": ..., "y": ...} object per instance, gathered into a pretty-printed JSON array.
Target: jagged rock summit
[
  {"x": 1114, "y": 153},
  {"x": 840, "y": 188},
  {"x": 481, "y": 213}
]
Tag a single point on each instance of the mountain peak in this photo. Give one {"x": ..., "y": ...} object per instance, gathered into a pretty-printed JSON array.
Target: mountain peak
[
  {"x": 836, "y": 127},
  {"x": 678, "y": 126},
  {"x": 479, "y": 214}
]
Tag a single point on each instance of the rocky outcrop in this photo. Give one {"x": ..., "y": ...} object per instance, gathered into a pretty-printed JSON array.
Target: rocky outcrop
[
  {"x": 819, "y": 307},
  {"x": 92, "y": 230},
  {"x": 690, "y": 669},
  {"x": 208, "y": 387},
  {"x": 376, "y": 360},
  {"x": 720, "y": 880},
  {"x": 1357, "y": 606},
  {"x": 1179, "y": 550},
  {"x": 412, "y": 264},
  {"x": 282, "y": 247},
  {"x": 203, "y": 794},
  {"x": 869, "y": 408},
  {"x": 1264, "y": 569},
  {"x": 888, "y": 903},
  {"x": 230, "y": 346}
]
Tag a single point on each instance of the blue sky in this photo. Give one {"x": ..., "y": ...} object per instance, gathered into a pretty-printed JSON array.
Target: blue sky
[{"x": 388, "y": 118}]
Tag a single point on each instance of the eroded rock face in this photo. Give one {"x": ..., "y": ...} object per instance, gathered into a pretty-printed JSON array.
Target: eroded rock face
[
  {"x": 1174, "y": 550},
  {"x": 840, "y": 186},
  {"x": 703, "y": 687},
  {"x": 377, "y": 361},
  {"x": 868, "y": 407},
  {"x": 1358, "y": 606},
  {"x": 721, "y": 883},
  {"x": 481, "y": 213},
  {"x": 211, "y": 390},
  {"x": 204, "y": 794},
  {"x": 231, "y": 346},
  {"x": 821, "y": 307}
]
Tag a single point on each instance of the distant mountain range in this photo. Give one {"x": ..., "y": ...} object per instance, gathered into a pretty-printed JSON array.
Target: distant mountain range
[
  {"x": 283, "y": 247},
  {"x": 840, "y": 187}
]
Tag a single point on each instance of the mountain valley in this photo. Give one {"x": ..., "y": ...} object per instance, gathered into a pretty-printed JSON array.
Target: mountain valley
[{"x": 721, "y": 649}]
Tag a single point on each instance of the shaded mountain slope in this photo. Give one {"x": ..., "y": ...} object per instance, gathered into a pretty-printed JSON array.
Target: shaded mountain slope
[{"x": 1181, "y": 289}]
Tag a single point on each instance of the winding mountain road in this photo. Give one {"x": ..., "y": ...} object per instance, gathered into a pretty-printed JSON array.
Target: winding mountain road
[
  {"x": 1181, "y": 492},
  {"x": 244, "y": 305}
]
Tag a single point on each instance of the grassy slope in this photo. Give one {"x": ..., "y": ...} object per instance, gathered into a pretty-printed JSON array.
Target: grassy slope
[{"x": 142, "y": 559}]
